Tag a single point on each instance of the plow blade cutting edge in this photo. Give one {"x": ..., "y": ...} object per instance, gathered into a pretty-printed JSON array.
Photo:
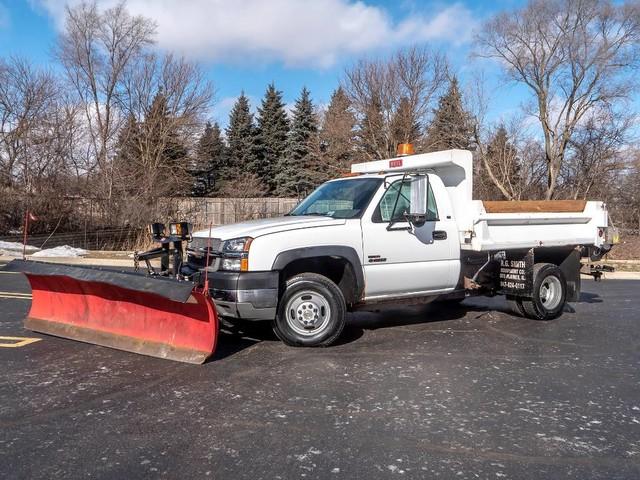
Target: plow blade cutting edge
[{"x": 159, "y": 317}]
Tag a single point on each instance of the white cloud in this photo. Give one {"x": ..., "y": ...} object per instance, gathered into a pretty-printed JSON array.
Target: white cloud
[{"x": 295, "y": 32}]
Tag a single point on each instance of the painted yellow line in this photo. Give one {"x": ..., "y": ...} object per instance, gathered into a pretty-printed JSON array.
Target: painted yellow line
[{"x": 18, "y": 342}]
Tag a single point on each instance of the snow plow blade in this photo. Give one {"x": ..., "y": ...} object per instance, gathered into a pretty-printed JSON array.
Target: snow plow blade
[{"x": 159, "y": 317}]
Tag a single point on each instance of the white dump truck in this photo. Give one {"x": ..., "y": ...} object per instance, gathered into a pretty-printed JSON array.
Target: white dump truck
[{"x": 402, "y": 230}]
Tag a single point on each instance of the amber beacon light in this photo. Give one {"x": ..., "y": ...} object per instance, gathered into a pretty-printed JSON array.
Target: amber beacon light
[{"x": 405, "y": 149}]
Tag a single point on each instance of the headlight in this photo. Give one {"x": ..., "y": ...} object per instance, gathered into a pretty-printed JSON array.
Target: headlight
[
  {"x": 237, "y": 245},
  {"x": 235, "y": 254}
]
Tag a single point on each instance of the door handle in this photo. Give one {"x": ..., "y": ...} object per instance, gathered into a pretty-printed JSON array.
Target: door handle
[{"x": 439, "y": 235}]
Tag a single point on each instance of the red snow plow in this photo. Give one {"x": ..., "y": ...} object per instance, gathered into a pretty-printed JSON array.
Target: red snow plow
[{"x": 162, "y": 314}]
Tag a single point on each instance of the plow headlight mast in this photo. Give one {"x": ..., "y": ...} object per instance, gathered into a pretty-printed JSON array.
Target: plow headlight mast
[
  {"x": 157, "y": 230},
  {"x": 180, "y": 229}
]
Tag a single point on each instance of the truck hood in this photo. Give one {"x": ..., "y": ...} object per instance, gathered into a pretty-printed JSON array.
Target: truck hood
[{"x": 265, "y": 226}]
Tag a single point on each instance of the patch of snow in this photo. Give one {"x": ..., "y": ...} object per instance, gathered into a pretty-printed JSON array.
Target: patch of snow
[
  {"x": 14, "y": 249},
  {"x": 63, "y": 251}
]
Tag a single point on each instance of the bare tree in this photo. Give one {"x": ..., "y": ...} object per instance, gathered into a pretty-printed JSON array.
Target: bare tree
[
  {"x": 37, "y": 136},
  {"x": 95, "y": 51},
  {"x": 166, "y": 99},
  {"x": 392, "y": 98},
  {"x": 574, "y": 55},
  {"x": 508, "y": 162},
  {"x": 241, "y": 193},
  {"x": 629, "y": 198},
  {"x": 597, "y": 156},
  {"x": 27, "y": 103}
]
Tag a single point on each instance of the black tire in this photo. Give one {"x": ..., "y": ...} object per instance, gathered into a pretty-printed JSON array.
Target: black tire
[
  {"x": 515, "y": 304},
  {"x": 540, "y": 306},
  {"x": 311, "y": 313}
]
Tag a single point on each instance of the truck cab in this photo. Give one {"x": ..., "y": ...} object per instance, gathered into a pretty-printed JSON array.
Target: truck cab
[{"x": 396, "y": 230}]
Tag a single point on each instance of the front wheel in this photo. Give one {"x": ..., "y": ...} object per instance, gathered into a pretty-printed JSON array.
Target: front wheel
[
  {"x": 312, "y": 311},
  {"x": 549, "y": 293}
]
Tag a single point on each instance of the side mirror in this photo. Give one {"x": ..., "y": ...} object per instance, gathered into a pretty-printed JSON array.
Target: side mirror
[{"x": 419, "y": 192}]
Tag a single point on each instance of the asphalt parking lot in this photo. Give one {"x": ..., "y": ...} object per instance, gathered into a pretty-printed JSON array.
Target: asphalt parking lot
[{"x": 415, "y": 392}]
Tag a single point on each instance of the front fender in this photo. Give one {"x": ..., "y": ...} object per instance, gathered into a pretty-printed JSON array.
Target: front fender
[{"x": 348, "y": 253}]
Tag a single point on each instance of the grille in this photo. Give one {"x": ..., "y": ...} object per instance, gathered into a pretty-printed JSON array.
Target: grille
[
  {"x": 197, "y": 251},
  {"x": 200, "y": 244}
]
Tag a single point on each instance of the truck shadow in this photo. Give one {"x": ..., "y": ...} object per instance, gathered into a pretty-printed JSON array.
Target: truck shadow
[
  {"x": 586, "y": 297},
  {"x": 239, "y": 336},
  {"x": 393, "y": 316}
]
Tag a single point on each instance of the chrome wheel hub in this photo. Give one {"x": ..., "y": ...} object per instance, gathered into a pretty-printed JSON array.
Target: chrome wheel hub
[
  {"x": 308, "y": 313},
  {"x": 551, "y": 292}
]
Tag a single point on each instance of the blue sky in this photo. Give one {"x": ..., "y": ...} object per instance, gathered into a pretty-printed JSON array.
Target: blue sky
[{"x": 246, "y": 44}]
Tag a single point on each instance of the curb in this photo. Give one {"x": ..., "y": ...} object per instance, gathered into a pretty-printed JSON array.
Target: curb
[
  {"x": 616, "y": 276},
  {"x": 97, "y": 262}
]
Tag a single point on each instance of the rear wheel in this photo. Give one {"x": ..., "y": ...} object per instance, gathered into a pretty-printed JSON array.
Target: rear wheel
[
  {"x": 549, "y": 293},
  {"x": 312, "y": 311}
]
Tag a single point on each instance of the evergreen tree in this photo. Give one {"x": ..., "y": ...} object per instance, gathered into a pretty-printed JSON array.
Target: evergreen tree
[
  {"x": 337, "y": 136},
  {"x": 273, "y": 128},
  {"x": 502, "y": 157},
  {"x": 163, "y": 145},
  {"x": 372, "y": 133},
  {"x": 241, "y": 138},
  {"x": 404, "y": 127},
  {"x": 127, "y": 155},
  {"x": 296, "y": 173},
  {"x": 211, "y": 162},
  {"x": 152, "y": 159},
  {"x": 452, "y": 126}
]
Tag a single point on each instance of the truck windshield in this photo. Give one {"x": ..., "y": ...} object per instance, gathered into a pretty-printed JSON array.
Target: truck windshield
[{"x": 339, "y": 199}]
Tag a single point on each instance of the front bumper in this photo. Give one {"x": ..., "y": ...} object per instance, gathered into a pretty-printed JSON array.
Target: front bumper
[{"x": 245, "y": 295}]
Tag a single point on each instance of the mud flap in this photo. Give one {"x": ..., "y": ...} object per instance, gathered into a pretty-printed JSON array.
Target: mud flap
[{"x": 157, "y": 317}]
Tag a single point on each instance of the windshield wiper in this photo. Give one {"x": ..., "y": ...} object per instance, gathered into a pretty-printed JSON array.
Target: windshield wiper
[{"x": 317, "y": 214}]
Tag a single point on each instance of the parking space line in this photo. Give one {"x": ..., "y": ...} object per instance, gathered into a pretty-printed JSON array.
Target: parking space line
[
  {"x": 7, "y": 273},
  {"x": 17, "y": 342},
  {"x": 24, "y": 296}
]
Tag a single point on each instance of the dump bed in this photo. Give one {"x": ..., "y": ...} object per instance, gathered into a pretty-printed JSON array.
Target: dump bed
[
  {"x": 527, "y": 224},
  {"x": 489, "y": 225}
]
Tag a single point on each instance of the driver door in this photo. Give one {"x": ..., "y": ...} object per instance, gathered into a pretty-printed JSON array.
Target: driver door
[{"x": 405, "y": 260}]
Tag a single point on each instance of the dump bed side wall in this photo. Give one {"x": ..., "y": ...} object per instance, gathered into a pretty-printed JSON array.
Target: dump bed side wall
[{"x": 513, "y": 229}]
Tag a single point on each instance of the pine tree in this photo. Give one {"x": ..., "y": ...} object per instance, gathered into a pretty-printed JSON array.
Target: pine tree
[
  {"x": 127, "y": 156},
  {"x": 405, "y": 128},
  {"x": 163, "y": 144},
  {"x": 337, "y": 136},
  {"x": 241, "y": 138},
  {"x": 211, "y": 164},
  {"x": 502, "y": 158},
  {"x": 273, "y": 129},
  {"x": 152, "y": 158},
  {"x": 452, "y": 126},
  {"x": 372, "y": 133},
  {"x": 296, "y": 173}
]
